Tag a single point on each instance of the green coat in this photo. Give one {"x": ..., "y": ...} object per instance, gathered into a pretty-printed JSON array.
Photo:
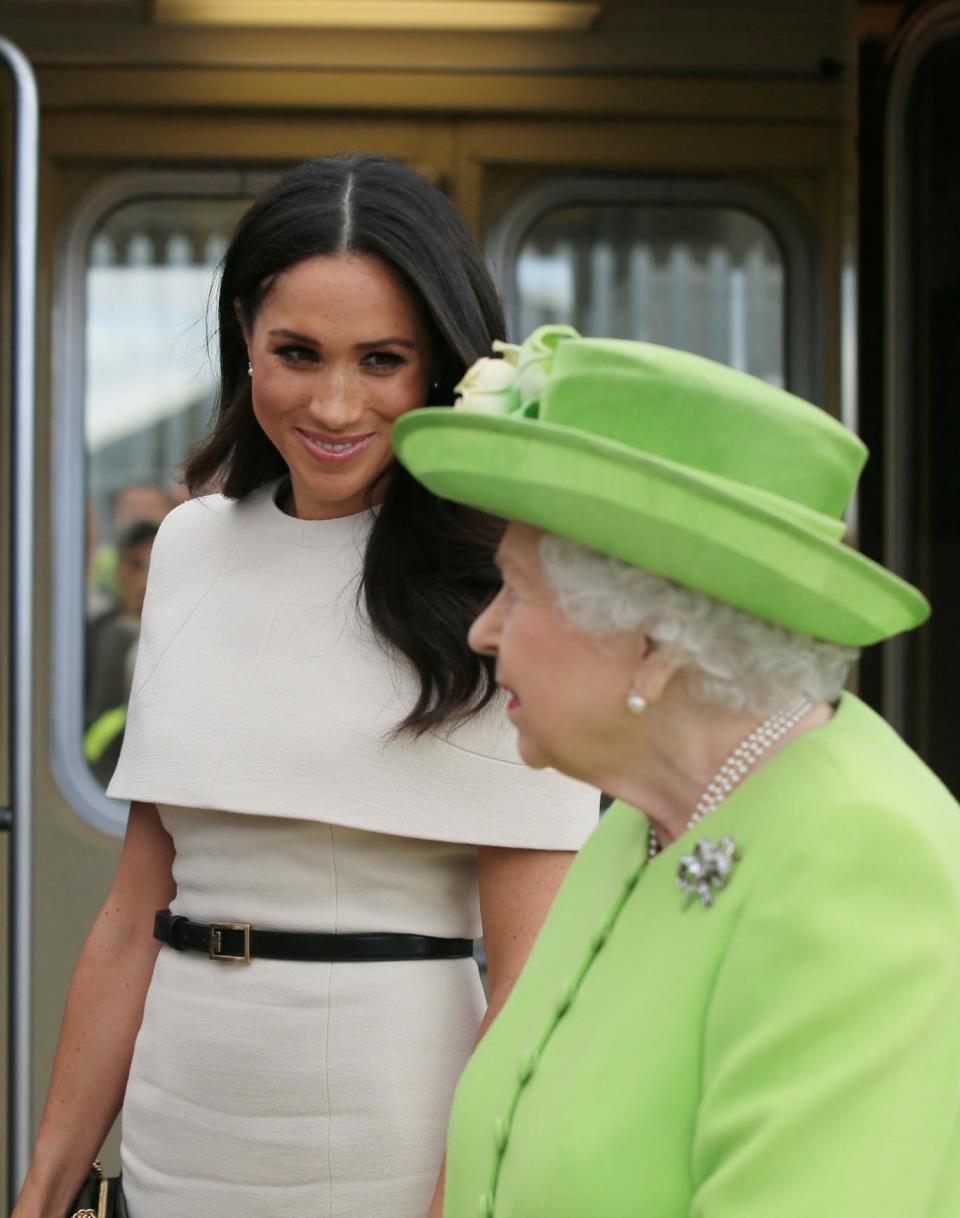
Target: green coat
[{"x": 792, "y": 1051}]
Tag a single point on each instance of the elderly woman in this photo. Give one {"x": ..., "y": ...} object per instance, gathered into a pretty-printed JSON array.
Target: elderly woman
[{"x": 745, "y": 1002}]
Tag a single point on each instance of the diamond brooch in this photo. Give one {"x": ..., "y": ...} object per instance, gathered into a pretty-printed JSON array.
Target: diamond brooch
[{"x": 706, "y": 869}]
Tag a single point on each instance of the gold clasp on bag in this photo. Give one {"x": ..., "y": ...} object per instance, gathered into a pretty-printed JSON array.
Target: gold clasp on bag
[
  {"x": 101, "y": 1199},
  {"x": 217, "y": 930}
]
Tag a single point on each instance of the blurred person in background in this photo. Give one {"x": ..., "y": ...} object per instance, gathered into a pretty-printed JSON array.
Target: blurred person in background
[
  {"x": 111, "y": 639},
  {"x": 137, "y": 503},
  {"x": 103, "y": 739}
]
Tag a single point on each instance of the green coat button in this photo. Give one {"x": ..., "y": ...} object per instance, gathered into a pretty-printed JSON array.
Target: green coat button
[
  {"x": 566, "y": 1000},
  {"x": 485, "y": 1206},
  {"x": 501, "y": 1133},
  {"x": 528, "y": 1064}
]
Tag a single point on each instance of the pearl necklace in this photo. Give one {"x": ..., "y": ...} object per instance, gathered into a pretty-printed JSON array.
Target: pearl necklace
[{"x": 739, "y": 764}]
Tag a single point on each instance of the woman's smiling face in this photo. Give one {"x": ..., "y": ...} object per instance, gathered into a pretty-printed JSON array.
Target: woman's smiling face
[{"x": 340, "y": 349}]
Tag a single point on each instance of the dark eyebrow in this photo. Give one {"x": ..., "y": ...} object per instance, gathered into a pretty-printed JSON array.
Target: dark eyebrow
[
  {"x": 299, "y": 338},
  {"x": 394, "y": 341},
  {"x": 388, "y": 342}
]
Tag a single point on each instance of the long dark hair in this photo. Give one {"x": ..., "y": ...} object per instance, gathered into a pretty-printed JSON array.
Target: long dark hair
[{"x": 428, "y": 568}]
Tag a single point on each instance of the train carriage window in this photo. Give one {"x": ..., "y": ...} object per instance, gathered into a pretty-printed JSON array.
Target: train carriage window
[
  {"x": 722, "y": 268},
  {"x": 135, "y": 383},
  {"x": 718, "y": 268}
]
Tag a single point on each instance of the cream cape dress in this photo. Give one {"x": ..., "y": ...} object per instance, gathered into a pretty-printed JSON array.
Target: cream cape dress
[{"x": 259, "y": 725}]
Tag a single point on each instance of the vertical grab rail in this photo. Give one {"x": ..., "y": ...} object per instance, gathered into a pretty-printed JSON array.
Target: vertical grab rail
[{"x": 19, "y": 820}]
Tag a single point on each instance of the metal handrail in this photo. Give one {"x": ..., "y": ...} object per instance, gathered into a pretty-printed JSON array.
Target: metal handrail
[{"x": 19, "y": 817}]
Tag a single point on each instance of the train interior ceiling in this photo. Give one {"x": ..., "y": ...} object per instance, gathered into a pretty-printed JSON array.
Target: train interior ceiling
[{"x": 771, "y": 183}]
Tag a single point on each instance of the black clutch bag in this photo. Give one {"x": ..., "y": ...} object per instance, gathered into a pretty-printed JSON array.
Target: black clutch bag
[{"x": 100, "y": 1196}]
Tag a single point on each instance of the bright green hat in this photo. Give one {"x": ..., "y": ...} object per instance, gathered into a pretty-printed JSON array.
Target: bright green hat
[{"x": 687, "y": 468}]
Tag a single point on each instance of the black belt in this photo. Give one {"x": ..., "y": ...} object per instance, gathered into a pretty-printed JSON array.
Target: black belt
[{"x": 240, "y": 942}]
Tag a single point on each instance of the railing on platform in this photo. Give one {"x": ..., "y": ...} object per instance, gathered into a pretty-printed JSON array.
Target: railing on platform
[{"x": 18, "y": 818}]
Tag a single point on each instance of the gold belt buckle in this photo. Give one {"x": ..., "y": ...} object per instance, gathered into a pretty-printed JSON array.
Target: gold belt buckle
[{"x": 216, "y": 941}]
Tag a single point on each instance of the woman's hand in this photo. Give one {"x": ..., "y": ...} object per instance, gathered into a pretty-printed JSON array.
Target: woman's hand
[
  {"x": 101, "y": 1020},
  {"x": 517, "y": 888}
]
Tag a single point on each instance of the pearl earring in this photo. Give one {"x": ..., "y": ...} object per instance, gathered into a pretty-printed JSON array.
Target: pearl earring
[
  {"x": 636, "y": 703},
  {"x": 249, "y": 369}
]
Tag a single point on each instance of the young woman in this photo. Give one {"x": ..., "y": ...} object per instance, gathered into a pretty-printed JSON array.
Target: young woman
[{"x": 326, "y": 810}]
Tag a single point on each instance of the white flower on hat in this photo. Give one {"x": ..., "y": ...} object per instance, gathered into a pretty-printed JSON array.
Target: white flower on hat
[
  {"x": 514, "y": 384},
  {"x": 489, "y": 385}
]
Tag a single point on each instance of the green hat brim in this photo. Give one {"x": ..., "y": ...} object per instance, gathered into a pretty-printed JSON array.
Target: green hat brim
[{"x": 719, "y": 537}]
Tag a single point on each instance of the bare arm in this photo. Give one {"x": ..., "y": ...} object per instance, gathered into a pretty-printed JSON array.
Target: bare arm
[
  {"x": 517, "y": 888},
  {"x": 101, "y": 1020}
]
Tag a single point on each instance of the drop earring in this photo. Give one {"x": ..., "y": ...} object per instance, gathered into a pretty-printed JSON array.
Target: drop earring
[
  {"x": 636, "y": 703},
  {"x": 249, "y": 369}
]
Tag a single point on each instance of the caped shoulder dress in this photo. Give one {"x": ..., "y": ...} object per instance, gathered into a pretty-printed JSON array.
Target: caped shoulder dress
[
  {"x": 792, "y": 1049},
  {"x": 260, "y": 724}
]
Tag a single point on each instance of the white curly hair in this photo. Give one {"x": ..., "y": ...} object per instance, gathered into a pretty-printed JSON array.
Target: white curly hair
[{"x": 730, "y": 657}]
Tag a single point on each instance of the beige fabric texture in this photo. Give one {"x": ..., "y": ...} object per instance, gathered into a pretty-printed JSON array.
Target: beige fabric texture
[
  {"x": 280, "y": 1090},
  {"x": 260, "y": 689}
]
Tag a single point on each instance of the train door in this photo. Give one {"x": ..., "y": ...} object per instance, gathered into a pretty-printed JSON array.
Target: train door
[
  {"x": 717, "y": 225},
  {"x": 911, "y": 375}
]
